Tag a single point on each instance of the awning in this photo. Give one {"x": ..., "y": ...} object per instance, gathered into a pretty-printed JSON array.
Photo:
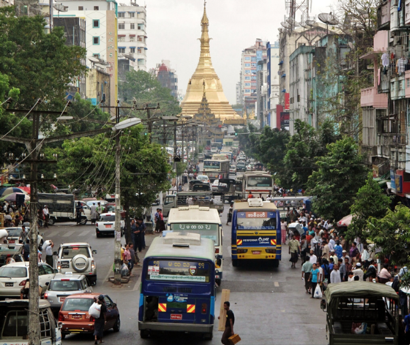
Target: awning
[
  {"x": 131, "y": 11},
  {"x": 132, "y": 35},
  {"x": 121, "y": 47},
  {"x": 121, "y": 35},
  {"x": 345, "y": 221},
  {"x": 133, "y": 47},
  {"x": 280, "y": 63},
  {"x": 121, "y": 11},
  {"x": 146, "y": 48}
]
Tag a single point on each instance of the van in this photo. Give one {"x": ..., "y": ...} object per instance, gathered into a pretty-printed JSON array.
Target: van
[{"x": 14, "y": 323}]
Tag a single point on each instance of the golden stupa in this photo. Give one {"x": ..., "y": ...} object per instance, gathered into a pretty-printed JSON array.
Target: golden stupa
[{"x": 205, "y": 81}]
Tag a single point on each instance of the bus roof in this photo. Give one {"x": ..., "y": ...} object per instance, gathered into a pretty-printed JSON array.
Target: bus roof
[
  {"x": 193, "y": 215},
  {"x": 159, "y": 248},
  {"x": 244, "y": 204},
  {"x": 256, "y": 173}
]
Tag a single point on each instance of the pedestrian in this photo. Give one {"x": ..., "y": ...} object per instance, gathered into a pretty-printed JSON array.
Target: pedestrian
[
  {"x": 314, "y": 278},
  {"x": 353, "y": 250},
  {"x": 94, "y": 214},
  {"x": 99, "y": 210},
  {"x": 365, "y": 257},
  {"x": 134, "y": 257},
  {"x": 230, "y": 321},
  {"x": 303, "y": 247},
  {"x": 294, "y": 248},
  {"x": 348, "y": 267},
  {"x": 161, "y": 221},
  {"x": 229, "y": 216},
  {"x": 157, "y": 219},
  {"x": 26, "y": 250},
  {"x": 306, "y": 272},
  {"x": 100, "y": 322},
  {"x": 40, "y": 217},
  {"x": 407, "y": 328},
  {"x": 350, "y": 276},
  {"x": 325, "y": 250},
  {"x": 342, "y": 269},
  {"x": 326, "y": 269},
  {"x": 338, "y": 250},
  {"x": 313, "y": 257},
  {"x": 335, "y": 275},
  {"x": 49, "y": 253},
  {"x": 283, "y": 230},
  {"x": 135, "y": 234},
  {"x": 46, "y": 216},
  {"x": 384, "y": 275},
  {"x": 127, "y": 255},
  {"x": 23, "y": 234},
  {"x": 78, "y": 211},
  {"x": 358, "y": 271},
  {"x": 141, "y": 228}
]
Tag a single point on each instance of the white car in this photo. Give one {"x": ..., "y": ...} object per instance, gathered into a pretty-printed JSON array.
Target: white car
[
  {"x": 14, "y": 275},
  {"x": 215, "y": 185},
  {"x": 232, "y": 169},
  {"x": 203, "y": 178},
  {"x": 106, "y": 225}
]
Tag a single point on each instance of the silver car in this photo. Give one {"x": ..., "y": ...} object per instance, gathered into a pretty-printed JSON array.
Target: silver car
[{"x": 64, "y": 285}]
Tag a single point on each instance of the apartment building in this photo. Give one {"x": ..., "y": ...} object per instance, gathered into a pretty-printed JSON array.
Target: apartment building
[
  {"x": 272, "y": 57},
  {"x": 166, "y": 76}
]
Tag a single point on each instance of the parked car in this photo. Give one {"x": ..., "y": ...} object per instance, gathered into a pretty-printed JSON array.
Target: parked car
[
  {"x": 14, "y": 320},
  {"x": 64, "y": 285},
  {"x": 77, "y": 258},
  {"x": 14, "y": 275},
  {"x": 14, "y": 235},
  {"x": 106, "y": 225},
  {"x": 74, "y": 315},
  {"x": 216, "y": 185},
  {"x": 14, "y": 251},
  {"x": 203, "y": 178}
]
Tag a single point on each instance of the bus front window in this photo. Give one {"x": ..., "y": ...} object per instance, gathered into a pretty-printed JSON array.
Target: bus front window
[
  {"x": 256, "y": 221},
  {"x": 212, "y": 165}
]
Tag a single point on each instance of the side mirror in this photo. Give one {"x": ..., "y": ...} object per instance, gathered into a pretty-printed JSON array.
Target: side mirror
[
  {"x": 94, "y": 251},
  {"x": 323, "y": 305},
  {"x": 55, "y": 270},
  {"x": 47, "y": 283},
  {"x": 219, "y": 262},
  {"x": 114, "y": 305},
  {"x": 55, "y": 253}
]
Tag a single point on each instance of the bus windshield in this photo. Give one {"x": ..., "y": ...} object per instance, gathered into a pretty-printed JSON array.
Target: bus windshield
[
  {"x": 260, "y": 220},
  {"x": 212, "y": 165},
  {"x": 260, "y": 181},
  {"x": 179, "y": 271},
  {"x": 205, "y": 230}
]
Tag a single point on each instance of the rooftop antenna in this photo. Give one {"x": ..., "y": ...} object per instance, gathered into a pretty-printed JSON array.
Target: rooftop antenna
[{"x": 327, "y": 18}]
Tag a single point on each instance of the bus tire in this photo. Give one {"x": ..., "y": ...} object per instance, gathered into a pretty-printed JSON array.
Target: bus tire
[
  {"x": 144, "y": 334},
  {"x": 235, "y": 262},
  {"x": 275, "y": 263},
  {"x": 208, "y": 336},
  {"x": 218, "y": 282}
]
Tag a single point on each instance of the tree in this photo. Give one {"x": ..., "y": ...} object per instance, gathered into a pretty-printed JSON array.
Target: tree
[
  {"x": 40, "y": 64},
  {"x": 391, "y": 234},
  {"x": 370, "y": 202},
  {"x": 338, "y": 177}
]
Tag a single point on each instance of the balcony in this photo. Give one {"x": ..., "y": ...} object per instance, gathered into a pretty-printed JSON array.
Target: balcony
[
  {"x": 394, "y": 18},
  {"x": 407, "y": 84},
  {"x": 391, "y": 139},
  {"x": 383, "y": 15},
  {"x": 397, "y": 89},
  {"x": 371, "y": 98},
  {"x": 407, "y": 13}
]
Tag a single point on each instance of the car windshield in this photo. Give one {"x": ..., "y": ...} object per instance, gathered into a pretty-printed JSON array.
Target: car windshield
[
  {"x": 107, "y": 218},
  {"x": 13, "y": 272},
  {"x": 70, "y": 252},
  {"x": 14, "y": 232},
  {"x": 65, "y": 285},
  {"x": 202, "y": 177},
  {"x": 81, "y": 304}
]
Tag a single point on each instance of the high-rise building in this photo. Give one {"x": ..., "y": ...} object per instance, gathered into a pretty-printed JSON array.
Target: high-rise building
[
  {"x": 166, "y": 76},
  {"x": 272, "y": 83},
  {"x": 248, "y": 76},
  {"x": 132, "y": 35}
]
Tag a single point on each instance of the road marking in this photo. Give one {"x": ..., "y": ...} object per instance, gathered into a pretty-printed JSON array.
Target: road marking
[
  {"x": 67, "y": 234},
  {"x": 84, "y": 233},
  {"x": 276, "y": 284}
]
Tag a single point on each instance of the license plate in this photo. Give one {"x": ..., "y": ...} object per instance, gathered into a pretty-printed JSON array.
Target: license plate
[
  {"x": 77, "y": 317},
  {"x": 62, "y": 299},
  {"x": 108, "y": 226},
  {"x": 65, "y": 264},
  {"x": 9, "y": 284},
  {"x": 256, "y": 252},
  {"x": 12, "y": 241},
  {"x": 176, "y": 316}
]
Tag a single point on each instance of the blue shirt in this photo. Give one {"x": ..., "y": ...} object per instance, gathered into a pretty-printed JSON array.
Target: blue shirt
[
  {"x": 305, "y": 229},
  {"x": 315, "y": 273},
  {"x": 338, "y": 251}
]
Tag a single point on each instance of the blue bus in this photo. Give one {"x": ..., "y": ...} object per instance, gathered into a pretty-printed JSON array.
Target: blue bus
[
  {"x": 177, "y": 292},
  {"x": 256, "y": 233}
]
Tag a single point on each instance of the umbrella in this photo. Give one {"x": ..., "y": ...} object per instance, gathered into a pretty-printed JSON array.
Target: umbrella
[
  {"x": 345, "y": 221},
  {"x": 10, "y": 190},
  {"x": 25, "y": 189},
  {"x": 12, "y": 197}
]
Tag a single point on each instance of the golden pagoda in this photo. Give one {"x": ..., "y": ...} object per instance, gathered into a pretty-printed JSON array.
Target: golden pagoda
[{"x": 205, "y": 82}]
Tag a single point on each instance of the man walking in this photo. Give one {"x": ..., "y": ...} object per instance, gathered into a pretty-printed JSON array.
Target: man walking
[
  {"x": 49, "y": 254},
  {"x": 46, "y": 216},
  {"x": 306, "y": 268},
  {"x": 294, "y": 247},
  {"x": 335, "y": 275},
  {"x": 230, "y": 320}
]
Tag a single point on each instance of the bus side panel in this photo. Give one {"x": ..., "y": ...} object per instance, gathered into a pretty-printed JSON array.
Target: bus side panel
[
  {"x": 233, "y": 236},
  {"x": 278, "y": 237}
]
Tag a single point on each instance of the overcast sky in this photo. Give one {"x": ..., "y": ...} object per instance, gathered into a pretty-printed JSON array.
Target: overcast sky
[{"x": 173, "y": 27}]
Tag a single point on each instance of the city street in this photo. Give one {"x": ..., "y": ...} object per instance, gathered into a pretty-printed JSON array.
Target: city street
[{"x": 270, "y": 305}]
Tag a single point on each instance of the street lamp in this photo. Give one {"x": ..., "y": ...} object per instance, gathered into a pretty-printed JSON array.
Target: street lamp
[{"x": 118, "y": 127}]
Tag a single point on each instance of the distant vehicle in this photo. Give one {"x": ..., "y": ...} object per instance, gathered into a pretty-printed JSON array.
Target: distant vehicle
[
  {"x": 14, "y": 320},
  {"x": 64, "y": 285},
  {"x": 201, "y": 157},
  {"x": 240, "y": 167},
  {"x": 216, "y": 185},
  {"x": 106, "y": 225},
  {"x": 254, "y": 182},
  {"x": 258, "y": 167},
  {"x": 192, "y": 183},
  {"x": 14, "y": 251},
  {"x": 214, "y": 149},
  {"x": 232, "y": 169},
  {"x": 215, "y": 169},
  {"x": 206, "y": 187},
  {"x": 14, "y": 235},
  {"x": 203, "y": 178},
  {"x": 77, "y": 257},
  {"x": 74, "y": 315}
]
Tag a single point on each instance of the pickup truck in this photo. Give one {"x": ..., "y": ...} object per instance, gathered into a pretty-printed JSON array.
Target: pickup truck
[{"x": 202, "y": 198}]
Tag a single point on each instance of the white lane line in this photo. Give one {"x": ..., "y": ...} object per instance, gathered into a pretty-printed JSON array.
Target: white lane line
[
  {"x": 84, "y": 233},
  {"x": 276, "y": 284},
  {"x": 69, "y": 233}
]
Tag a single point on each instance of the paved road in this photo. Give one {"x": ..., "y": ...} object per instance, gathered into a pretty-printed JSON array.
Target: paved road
[{"x": 269, "y": 304}]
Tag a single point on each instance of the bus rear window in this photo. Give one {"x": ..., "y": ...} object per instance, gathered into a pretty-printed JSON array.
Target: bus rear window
[
  {"x": 206, "y": 230},
  {"x": 179, "y": 271},
  {"x": 259, "y": 181}
]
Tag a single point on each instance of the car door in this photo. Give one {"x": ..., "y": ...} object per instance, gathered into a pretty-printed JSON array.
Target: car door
[
  {"x": 109, "y": 316},
  {"x": 169, "y": 202},
  {"x": 46, "y": 275}
]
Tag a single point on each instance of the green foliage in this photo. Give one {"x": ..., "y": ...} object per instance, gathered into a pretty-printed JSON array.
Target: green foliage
[
  {"x": 391, "y": 234},
  {"x": 38, "y": 63},
  {"x": 338, "y": 177},
  {"x": 370, "y": 202}
]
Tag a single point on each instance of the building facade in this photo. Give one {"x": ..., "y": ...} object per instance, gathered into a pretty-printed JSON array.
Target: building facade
[
  {"x": 272, "y": 83},
  {"x": 132, "y": 35},
  {"x": 166, "y": 76}
]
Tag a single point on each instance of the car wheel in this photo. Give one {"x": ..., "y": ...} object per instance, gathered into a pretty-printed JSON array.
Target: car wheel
[
  {"x": 63, "y": 335},
  {"x": 83, "y": 221},
  {"x": 97, "y": 234},
  {"x": 144, "y": 334},
  {"x": 234, "y": 262},
  {"x": 117, "y": 325},
  {"x": 51, "y": 221}
]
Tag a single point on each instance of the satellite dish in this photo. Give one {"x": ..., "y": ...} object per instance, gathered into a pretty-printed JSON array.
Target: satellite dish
[
  {"x": 327, "y": 18},
  {"x": 310, "y": 22}
]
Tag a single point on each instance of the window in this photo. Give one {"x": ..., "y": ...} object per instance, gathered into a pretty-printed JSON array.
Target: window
[
  {"x": 96, "y": 8},
  {"x": 96, "y": 55},
  {"x": 48, "y": 269},
  {"x": 80, "y": 8},
  {"x": 121, "y": 50},
  {"x": 108, "y": 302},
  {"x": 132, "y": 26},
  {"x": 132, "y": 50},
  {"x": 248, "y": 71},
  {"x": 254, "y": 77},
  {"x": 121, "y": 39},
  {"x": 247, "y": 57},
  {"x": 121, "y": 26},
  {"x": 140, "y": 27},
  {"x": 247, "y": 65},
  {"x": 16, "y": 324},
  {"x": 96, "y": 23},
  {"x": 121, "y": 15},
  {"x": 253, "y": 83},
  {"x": 253, "y": 58},
  {"x": 132, "y": 14},
  {"x": 132, "y": 38},
  {"x": 254, "y": 65},
  {"x": 96, "y": 40},
  {"x": 247, "y": 78},
  {"x": 247, "y": 84}
]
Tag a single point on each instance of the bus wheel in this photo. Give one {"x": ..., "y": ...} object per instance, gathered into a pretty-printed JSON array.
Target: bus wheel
[
  {"x": 208, "y": 336},
  {"x": 218, "y": 282},
  {"x": 275, "y": 263},
  {"x": 234, "y": 262},
  {"x": 144, "y": 334}
]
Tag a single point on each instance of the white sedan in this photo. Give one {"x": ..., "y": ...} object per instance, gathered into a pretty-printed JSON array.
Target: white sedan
[
  {"x": 203, "y": 178},
  {"x": 215, "y": 185}
]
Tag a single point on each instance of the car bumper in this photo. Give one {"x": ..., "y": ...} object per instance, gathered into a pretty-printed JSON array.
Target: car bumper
[
  {"x": 175, "y": 327},
  {"x": 10, "y": 292},
  {"x": 77, "y": 327}
]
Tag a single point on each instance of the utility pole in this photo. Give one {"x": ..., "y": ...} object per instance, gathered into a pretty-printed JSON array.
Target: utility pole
[{"x": 149, "y": 124}]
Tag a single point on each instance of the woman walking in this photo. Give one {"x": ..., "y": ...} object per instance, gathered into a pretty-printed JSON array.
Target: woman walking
[
  {"x": 314, "y": 278},
  {"x": 99, "y": 323}
]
